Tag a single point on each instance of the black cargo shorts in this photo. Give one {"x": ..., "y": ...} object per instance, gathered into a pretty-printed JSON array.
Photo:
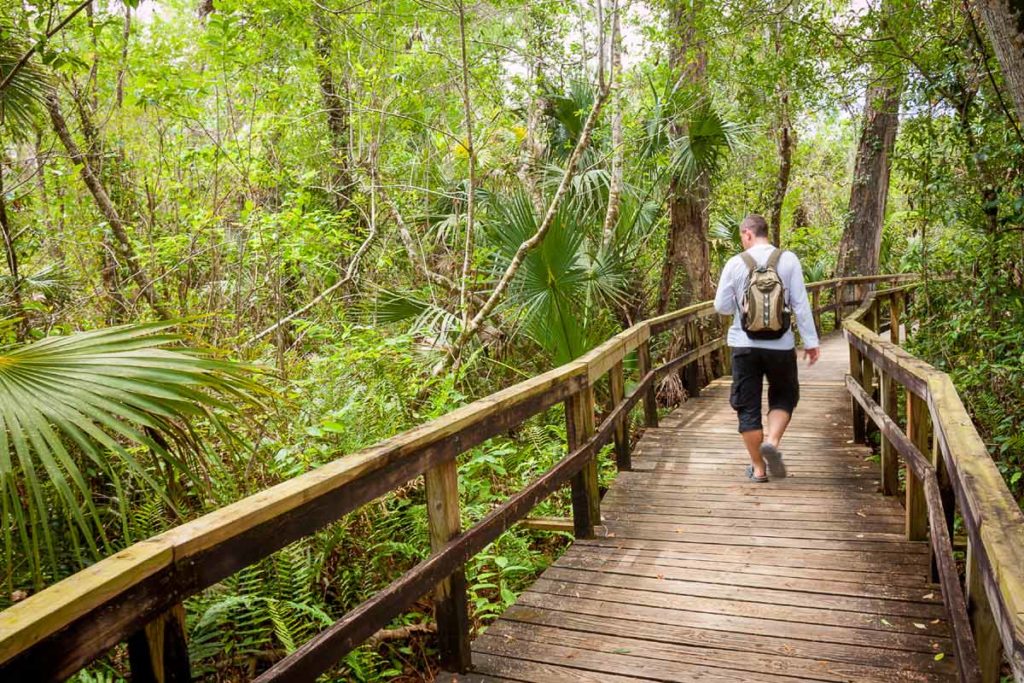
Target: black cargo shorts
[{"x": 749, "y": 368}]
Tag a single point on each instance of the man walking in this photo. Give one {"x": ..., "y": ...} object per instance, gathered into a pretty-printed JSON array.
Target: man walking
[{"x": 762, "y": 286}]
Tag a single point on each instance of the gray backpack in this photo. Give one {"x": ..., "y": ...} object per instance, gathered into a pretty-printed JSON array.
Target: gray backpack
[{"x": 764, "y": 313}]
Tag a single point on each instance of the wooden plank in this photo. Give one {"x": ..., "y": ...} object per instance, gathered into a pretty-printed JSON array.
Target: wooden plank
[
  {"x": 863, "y": 560},
  {"x": 764, "y": 595},
  {"x": 158, "y": 653},
  {"x": 543, "y": 672},
  {"x": 919, "y": 433},
  {"x": 746, "y": 652},
  {"x": 650, "y": 399},
  {"x": 983, "y": 624},
  {"x": 889, "y": 459},
  {"x": 586, "y": 498},
  {"x": 562, "y": 524},
  {"x": 994, "y": 522},
  {"x": 723, "y": 576},
  {"x": 611, "y": 603},
  {"x": 538, "y": 646},
  {"x": 26, "y": 623},
  {"x": 858, "y": 573},
  {"x": 451, "y": 610},
  {"x": 617, "y": 386},
  {"x": 682, "y": 658},
  {"x": 620, "y": 592}
]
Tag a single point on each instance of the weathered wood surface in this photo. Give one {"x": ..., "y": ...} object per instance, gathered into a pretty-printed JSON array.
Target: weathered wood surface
[{"x": 701, "y": 575}]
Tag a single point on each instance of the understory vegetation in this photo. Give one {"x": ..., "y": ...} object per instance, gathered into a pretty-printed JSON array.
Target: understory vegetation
[{"x": 245, "y": 239}]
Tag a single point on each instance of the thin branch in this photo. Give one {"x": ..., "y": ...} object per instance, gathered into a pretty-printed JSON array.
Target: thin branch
[
  {"x": 350, "y": 273},
  {"x": 538, "y": 237}
]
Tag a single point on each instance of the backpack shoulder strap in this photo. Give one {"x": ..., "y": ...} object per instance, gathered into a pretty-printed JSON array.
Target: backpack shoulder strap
[
  {"x": 773, "y": 259},
  {"x": 749, "y": 261}
]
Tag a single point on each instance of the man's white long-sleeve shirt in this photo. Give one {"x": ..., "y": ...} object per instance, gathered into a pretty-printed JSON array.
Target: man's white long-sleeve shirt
[{"x": 733, "y": 282}]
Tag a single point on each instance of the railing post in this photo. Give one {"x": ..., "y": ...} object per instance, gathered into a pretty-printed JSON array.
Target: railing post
[
  {"x": 856, "y": 372},
  {"x": 586, "y": 498},
  {"x": 617, "y": 380},
  {"x": 450, "y": 605},
  {"x": 691, "y": 381},
  {"x": 837, "y": 305},
  {"x": 890, "y": 459},
  {"x": 983, "y": 624},
  {"x": 919, "y": 432},
  {"x": 643, "y": 353},
  {"x": 158, "y": 652},
  {"x": 815, "y": 301},
  {"x": 895, "y": 315}
]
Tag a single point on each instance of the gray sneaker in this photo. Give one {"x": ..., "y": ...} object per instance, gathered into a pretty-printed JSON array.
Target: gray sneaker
[{"x": 773, "y": 459}]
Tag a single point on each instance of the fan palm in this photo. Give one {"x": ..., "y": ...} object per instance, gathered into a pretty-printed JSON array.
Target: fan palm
[
  {"x": 22, "y": 99},
  {"x": 78, "y": 413},
  {"x": 563, "y": 282},
  {"x": 707, "y": 134}
]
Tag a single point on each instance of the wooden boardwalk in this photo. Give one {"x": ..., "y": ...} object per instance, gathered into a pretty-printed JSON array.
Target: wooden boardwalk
[{"x": 698, "y": 574}]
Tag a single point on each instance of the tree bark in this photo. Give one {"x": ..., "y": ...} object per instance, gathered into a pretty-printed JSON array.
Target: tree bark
[
  {"x": 615, "y": 182},
  {"x": 337, "y": 116},
  {"x": 687, "y": 244},
  {"x": 1005, "y": 22},
  {"x": 106, "y": 207},
  {"x": 862, "y": 236},
  {"x": 21, "y": 330},
  {"x": 784, "y": 143}
]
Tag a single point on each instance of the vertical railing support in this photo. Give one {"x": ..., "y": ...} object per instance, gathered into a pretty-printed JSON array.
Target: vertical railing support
[
  {"x": 586, "y": 498},
  {"x": 617, "y": 381},
  {"x": 450, "y": 605},
  {"x": 856, "y": 372},
  {"x": 919, "y": 432},
  {"x": 890, "y": 458},
  {"x": 691, "y": 371},
  {"x": 837, "y": 305},
  {"x": 815, "y": 302},
  {"x": 983, "y": 624},
  {"x": 158, "y": 652},
  {"x": 895, "y": 316},
  {"x": 643, "y": 353}
]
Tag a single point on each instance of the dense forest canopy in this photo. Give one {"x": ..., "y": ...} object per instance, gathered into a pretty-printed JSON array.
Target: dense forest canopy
[{"x": 243, "y": 239}]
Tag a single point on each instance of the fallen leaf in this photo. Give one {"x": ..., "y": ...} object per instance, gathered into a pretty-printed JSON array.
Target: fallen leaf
[
  {"x": 928, "y": 596},
  {"x": 938, "y": 657},
  {"x": 919, "y": 625},
  {"x": 935, "y": 621},
  {"x": 860, "y": 514},
  {"x": 886, "y": 622},
  {"x": 620, "y": 650},
  {"x": 661, "y": 577}
]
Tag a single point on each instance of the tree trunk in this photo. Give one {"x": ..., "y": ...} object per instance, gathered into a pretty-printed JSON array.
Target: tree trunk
[
  {"x": 21, "y": 330},
  {"x": 783, "y": 142},
  {"x": 1005, "y": 22},
  {"x": 862, "y": 236},
  {"x": 687, "y": 245},
  {"x": 337, "y": 116},
  {"x": 615, "y": 182},
  {"x": 106, "y": 207}
]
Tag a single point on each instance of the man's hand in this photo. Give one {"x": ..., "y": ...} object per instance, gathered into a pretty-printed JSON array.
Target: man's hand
[{"x": 812, "y": 355}]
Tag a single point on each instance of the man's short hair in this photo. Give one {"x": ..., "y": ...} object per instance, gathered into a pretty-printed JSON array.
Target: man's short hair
[{"x": 756, "y": 224}]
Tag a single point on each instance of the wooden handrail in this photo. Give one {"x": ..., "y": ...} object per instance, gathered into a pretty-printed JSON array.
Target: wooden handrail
[
  {"x": 960, "y": 473},
  {"x": 54, "y": 633}
]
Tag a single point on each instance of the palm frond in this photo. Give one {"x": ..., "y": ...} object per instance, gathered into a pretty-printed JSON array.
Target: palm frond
[
  {"x": 107, "y": 396},
  {"x": 21, "y": 101}
]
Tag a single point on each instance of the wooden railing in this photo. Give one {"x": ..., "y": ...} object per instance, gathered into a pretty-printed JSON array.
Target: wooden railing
[
  {"x": 136, "y": 595},
  {"x": 948, "y": 469}
]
